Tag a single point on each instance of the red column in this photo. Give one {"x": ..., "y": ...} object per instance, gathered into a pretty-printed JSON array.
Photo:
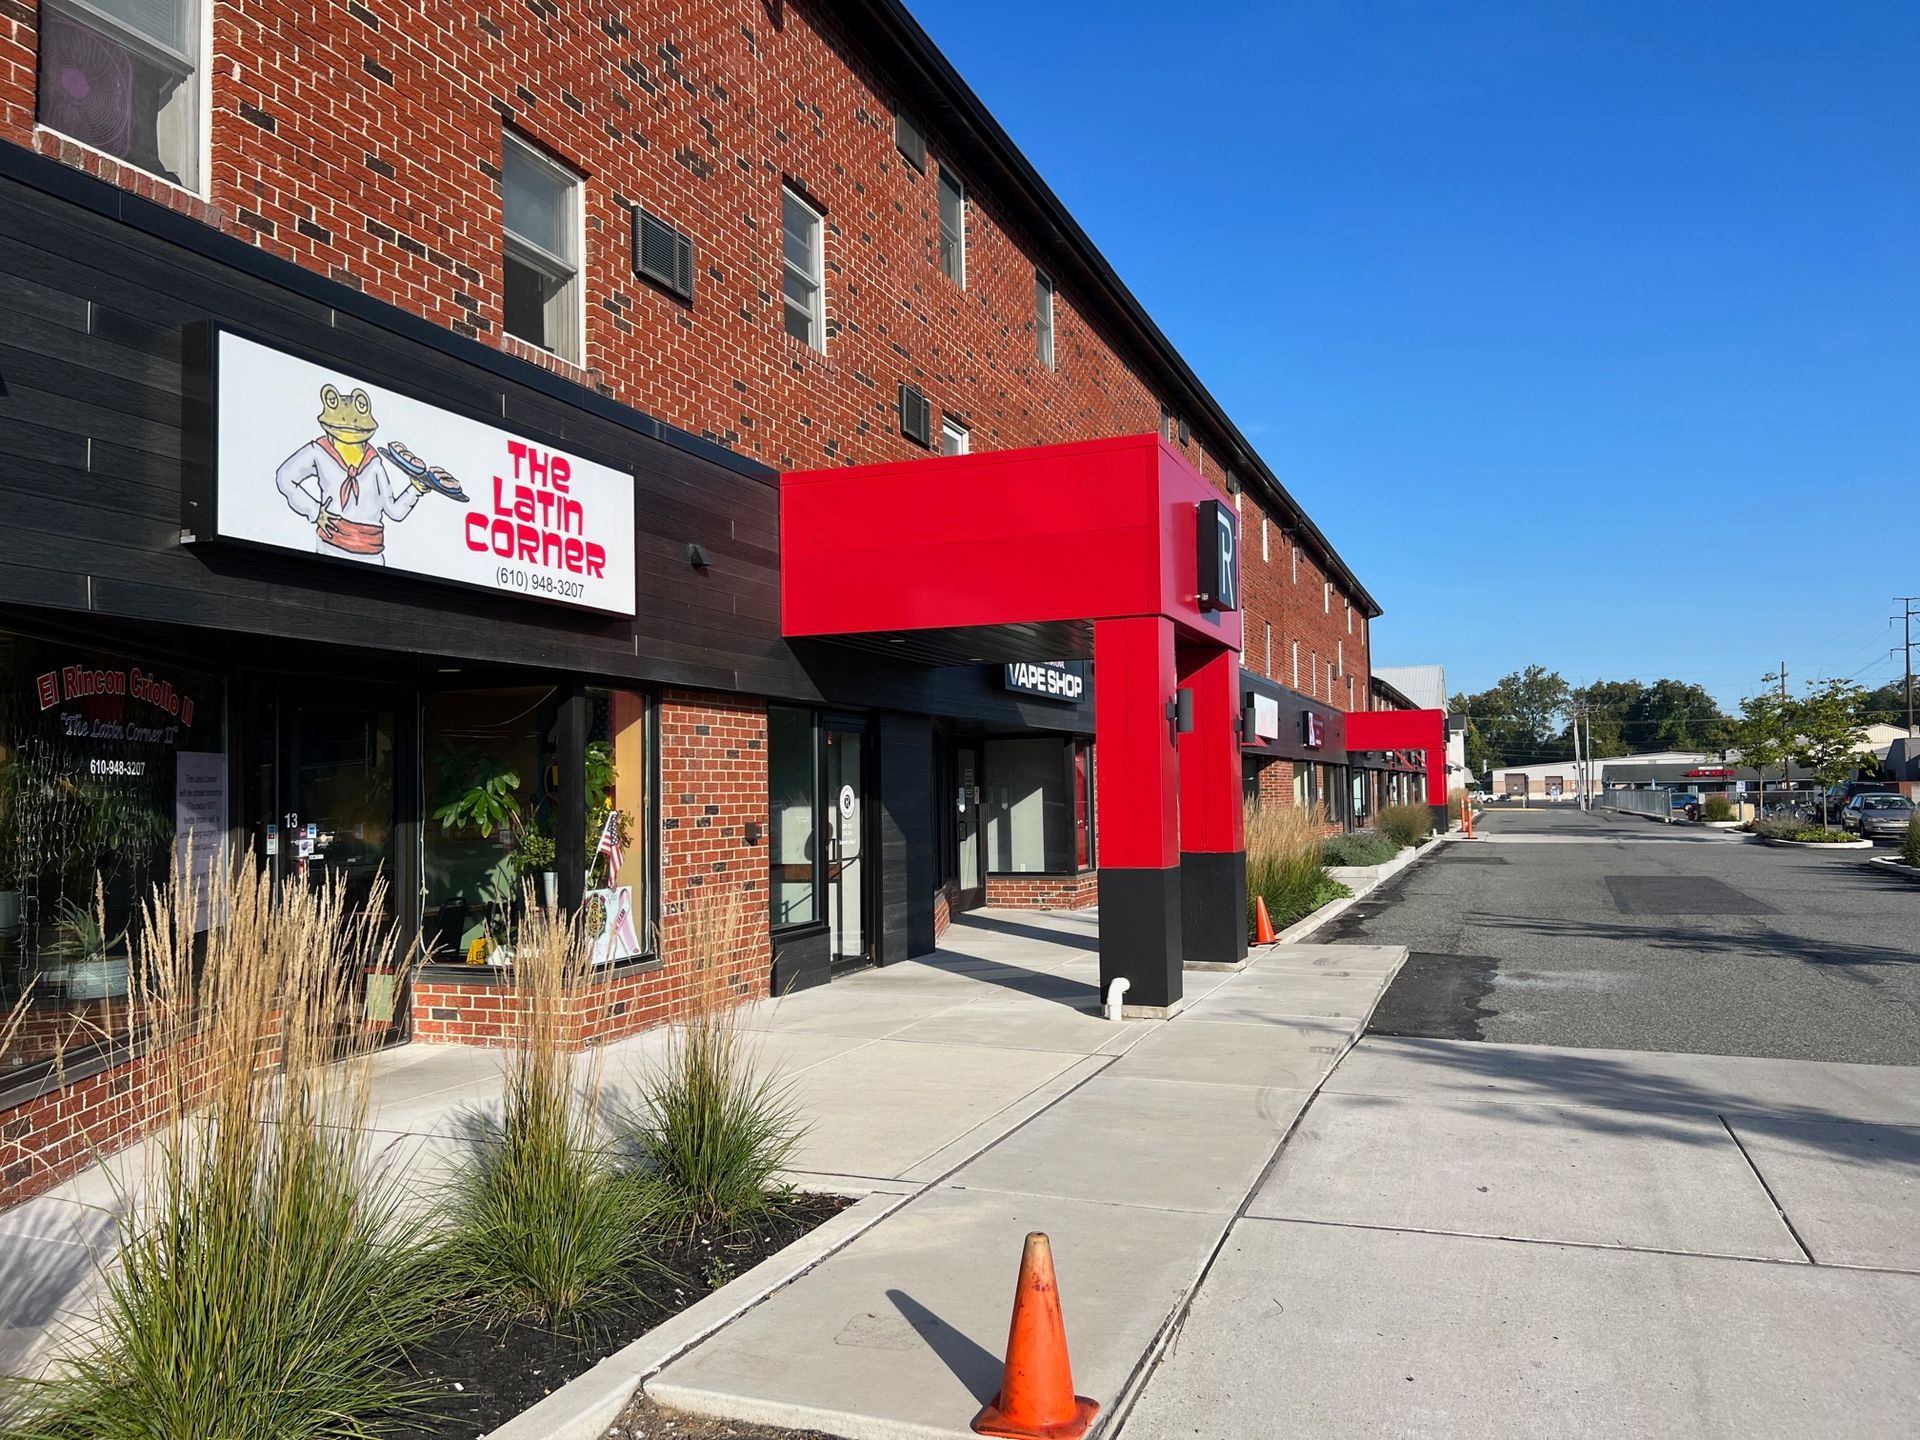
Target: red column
[
  {"x": 1213, "y": 862},
  {"x": 1137, "y": 802}
]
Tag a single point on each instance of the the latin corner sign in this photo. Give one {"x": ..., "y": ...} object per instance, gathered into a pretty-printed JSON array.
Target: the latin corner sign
[
  {"x": 389, "y": 480},
  {"x": 1219, "y": 556}
]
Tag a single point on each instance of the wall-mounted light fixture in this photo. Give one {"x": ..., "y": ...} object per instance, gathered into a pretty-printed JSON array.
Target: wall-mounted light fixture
[
  {"x": 1180, "y": 711},
  {"x": 753, "y": 832},
  {"x": 1249, "y": 726},
  {"x": 697, "y": 556}
]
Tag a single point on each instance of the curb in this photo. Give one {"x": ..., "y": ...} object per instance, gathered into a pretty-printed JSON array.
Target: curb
[
  {"x": 1889, "y": 865},
  {"x": 1814, "y": 845},
  {"x": 586, "y": 1405},
  {"x": 1333, "y": 909}
]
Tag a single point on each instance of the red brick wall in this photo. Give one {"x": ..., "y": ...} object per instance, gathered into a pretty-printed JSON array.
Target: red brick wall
[
  {"x": 57, "y": 1135},
  {"x": 1291, "y": 600},
  {"x": 1044, "y": 892},
  {"x": 361, "y": 138}
]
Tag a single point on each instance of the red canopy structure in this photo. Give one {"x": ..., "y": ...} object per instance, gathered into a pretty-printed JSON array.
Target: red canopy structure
[
  {"x": 1116, "y": 549},
  {"x": 1424, "y": 730}
]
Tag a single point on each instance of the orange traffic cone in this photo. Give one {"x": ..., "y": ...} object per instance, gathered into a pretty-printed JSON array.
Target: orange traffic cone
[
  {"x": 1262, "y": 922},
  {"x": 1036, "y": 1399}
]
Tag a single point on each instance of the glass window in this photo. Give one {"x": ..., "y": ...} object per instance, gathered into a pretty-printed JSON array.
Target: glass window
[
  {"x": 1083, "y": 807},
  {"x": 953, "y": 227},
  {"x": 955, "y": 439},
  {"x": 793, "y": 793},
  {"x": 491, "y": 780},
  {"x": 805, "y": 267},
  {"x": 1302, "y": 785},
  {"x": 1043, "y": 318},
  {"x": 619, "y": 825},
  {"x": 121, "y": 76},
  {"x": 108, "y": 765},
  {"x": 541, "y": 294},
  {"x": 1029, "y": 811}
]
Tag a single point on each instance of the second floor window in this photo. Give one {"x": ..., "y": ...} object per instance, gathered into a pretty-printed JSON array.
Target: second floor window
[
  {"x": 541, "y": 293},
  {"x": 1043, "y": 318},
  {"x": 954, "y": 437},
  {"x": 122, "y": 76},
  {"x": 953, "y": 227},
  {"x": 805, "y": 270}
]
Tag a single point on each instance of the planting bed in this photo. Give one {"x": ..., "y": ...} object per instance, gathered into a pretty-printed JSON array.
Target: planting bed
[
  {"x": 487, "y": 1374},
  {"x": 644, "y": 1420}
]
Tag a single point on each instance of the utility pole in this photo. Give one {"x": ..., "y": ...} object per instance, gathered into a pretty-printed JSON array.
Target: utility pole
[
  {"x": 1908, "y": 610},
  {"x": 1579, "y": 775}
]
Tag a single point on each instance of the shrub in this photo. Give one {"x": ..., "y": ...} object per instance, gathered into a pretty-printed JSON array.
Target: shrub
[
  {"x": 713, "y": 1127},
  {"x": 1717, "y": 807},
  {"x": 262, "y": 1285},
  {"x": 544, "y": 1223},
  {"x": 1284, "y": 865},
  {"x": 1456, "y": 804},
  {"x": 1910, "y": 847},
  {"x": 1362, "y": 847},
  {"x": 1405, "y": 825},
  {"x": 1793, "y": 827}
]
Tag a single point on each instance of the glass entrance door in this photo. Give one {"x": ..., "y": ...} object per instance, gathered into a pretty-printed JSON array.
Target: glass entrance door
[
  {"x": 339, "y": 798},
  {"x": 966, "y": 803},
  {"x": 849, "y": 875}
]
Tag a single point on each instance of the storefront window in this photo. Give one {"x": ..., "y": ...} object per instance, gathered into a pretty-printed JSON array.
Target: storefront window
[
  {"x": 619, "y": 826},
  {"x": 793, "y": 784},
  {"x": 1030, "y": 812},
  {"x": 1083, "y": 807},
  {"x": 491, "y": 780},
  {"x": 1302, "y": 785},
  {"x": 108, "y": 764}
]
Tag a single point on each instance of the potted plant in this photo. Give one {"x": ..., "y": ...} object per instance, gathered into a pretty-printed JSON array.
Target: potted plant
[
  {"x": 86, "y": 971},
  {"x": 533, "y": 856}
]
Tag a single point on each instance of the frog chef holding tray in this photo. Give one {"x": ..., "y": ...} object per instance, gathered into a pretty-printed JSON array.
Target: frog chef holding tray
[{"x": 342, "y": 485}]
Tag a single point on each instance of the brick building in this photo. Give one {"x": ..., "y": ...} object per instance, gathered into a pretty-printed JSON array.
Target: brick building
[{"x": 639, "y": 261}]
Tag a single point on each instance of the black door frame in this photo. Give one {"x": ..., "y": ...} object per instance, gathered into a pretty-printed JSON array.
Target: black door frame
[{"x": 841, "y": 723}]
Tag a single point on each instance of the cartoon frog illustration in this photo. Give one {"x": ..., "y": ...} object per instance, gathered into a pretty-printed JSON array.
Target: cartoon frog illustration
[{"x": 342, "y": 485}]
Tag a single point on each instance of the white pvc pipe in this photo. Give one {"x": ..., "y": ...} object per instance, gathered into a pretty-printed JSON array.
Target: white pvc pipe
[{"x": 1116, "y": 993}]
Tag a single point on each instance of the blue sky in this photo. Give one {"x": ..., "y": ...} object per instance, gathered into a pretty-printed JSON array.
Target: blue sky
[{"x": 1535, "y": 305}]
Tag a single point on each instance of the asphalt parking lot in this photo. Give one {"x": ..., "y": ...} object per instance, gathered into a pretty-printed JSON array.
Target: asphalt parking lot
[{"x": 1614, "y": 932}]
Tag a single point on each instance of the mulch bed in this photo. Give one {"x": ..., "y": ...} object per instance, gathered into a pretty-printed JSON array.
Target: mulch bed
[
  {"x": 644, "y": 1420},
  {"x": 487, "y": 1374}
]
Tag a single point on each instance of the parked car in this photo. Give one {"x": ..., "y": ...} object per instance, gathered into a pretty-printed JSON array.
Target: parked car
[
  {"x": 1683, "y": 799},
  {"x": 1840, "y": 796},
  {"x": 1877, "y": 816}
]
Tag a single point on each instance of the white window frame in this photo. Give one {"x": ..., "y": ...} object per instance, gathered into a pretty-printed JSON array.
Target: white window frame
[
  {"x": 817, "y": 315},
  {"x": 1313, "y": 673},
  {"x": 1296, "y": 564},
  {"x": 199, "y": 67},
  {"x": 1266, "y": 555},
  {"x": 950, "y": 177},
  {"x": 952, "y": 430},
  {"x": 1296, "y": 664},
  {"x": 1340, "y": 651},
  {"x": 1043, "y": 322},
  {"x": 1326, "y": 597},
  {"x": 537, "y": 257},
  {"x": 1347, "y": 600},
  {"x": 1269, "y": 670}
]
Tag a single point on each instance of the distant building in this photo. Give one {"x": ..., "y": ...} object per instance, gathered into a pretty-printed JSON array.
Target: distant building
[{"x": 1425, "y": 686}]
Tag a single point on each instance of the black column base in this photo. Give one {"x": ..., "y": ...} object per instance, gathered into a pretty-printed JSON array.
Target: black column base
[
  {"x": 1140, "y": 934},
  {"x": 1442, "y": 821},
  {"x": 1213, "y": 906}
]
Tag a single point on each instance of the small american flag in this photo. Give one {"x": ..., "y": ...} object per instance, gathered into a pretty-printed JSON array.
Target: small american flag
[{"x": 610, "y": 844}]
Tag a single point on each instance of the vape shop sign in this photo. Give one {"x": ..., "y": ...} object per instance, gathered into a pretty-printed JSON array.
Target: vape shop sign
[{"x": 313, "y": 459}]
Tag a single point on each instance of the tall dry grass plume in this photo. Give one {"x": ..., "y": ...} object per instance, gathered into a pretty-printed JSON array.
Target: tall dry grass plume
[
  {"x": 263, "y": 1285},
  {"x": 715, "y": 1128},
  {"x": 1283, "y": 862},
  {"x": 545, "y": 1223}
]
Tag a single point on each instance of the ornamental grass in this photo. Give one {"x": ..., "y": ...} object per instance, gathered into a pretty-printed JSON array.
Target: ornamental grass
[
  {"x": 713, "y": 1127},
  {"x": 1283, "y": 863},
  {"x": 265, "y": 1284},
  {"x": 1405, "y": 824},
  {"x": 544, "y": 1222}
]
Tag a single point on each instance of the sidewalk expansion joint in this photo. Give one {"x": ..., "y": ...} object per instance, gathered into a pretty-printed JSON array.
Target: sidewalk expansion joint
[{"x": 1772, "y": 1199}]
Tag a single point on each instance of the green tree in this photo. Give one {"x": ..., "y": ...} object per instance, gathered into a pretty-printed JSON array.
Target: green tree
[
  {"x": 1519, "y": 720},
  {"x": 1609, "y": 706},
  {"x": 1886, "y": 705},
  {"x": 1829, "y": 739},
  {"x": 1764, "y": 732}
]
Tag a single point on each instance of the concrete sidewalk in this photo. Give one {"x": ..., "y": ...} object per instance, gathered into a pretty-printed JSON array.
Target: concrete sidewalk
[
  {"x": 1504, "y": 1240},
  {"x": 1134, "y": 1153},
  {"x": 963, "y": 1078}
]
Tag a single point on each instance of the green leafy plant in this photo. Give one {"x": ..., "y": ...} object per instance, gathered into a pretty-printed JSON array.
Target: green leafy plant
[
  {"x": 1717, "y": 807},
  {"x": 1910, "y": 846},
  {"x": 262, "y": 1286},
  {"x": 713, "y": 1128},
  {"x": 1792, "y": 827},
  {"x": 478, "y": 792},
  {"x": 544, "y": 1223},
  {"x": 82, "y": 931},
  {"x": 534, "y": 853},
  {"x": 1283, "y": 863},
  {"x": 1405, "y": 824},
  {"x": 1362, "y": 847}
]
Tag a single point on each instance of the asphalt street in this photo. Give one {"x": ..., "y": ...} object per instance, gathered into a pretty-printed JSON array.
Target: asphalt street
[{"x": 1614, "y": 932}]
